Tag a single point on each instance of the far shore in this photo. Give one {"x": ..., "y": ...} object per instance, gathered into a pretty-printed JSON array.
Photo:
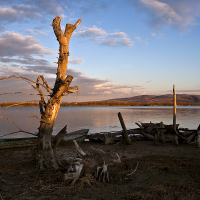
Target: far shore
[{"x": 98, "y": 103}]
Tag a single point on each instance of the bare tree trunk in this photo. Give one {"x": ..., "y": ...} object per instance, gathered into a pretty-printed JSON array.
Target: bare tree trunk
[{"x": 45, "y": 154}]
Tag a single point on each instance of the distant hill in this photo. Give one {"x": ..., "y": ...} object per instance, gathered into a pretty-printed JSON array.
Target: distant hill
[
  {"x": 143, "y": 100},
  {"x": 167, "y": 98}
]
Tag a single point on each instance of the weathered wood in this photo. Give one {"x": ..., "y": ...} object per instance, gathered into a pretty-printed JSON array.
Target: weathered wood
[
  {"x": 59, "y": 137},
  {"x": 198, "y": 139},
  {"x": 45, "y": 155},
  {"x": 174, "y": 116},
  {"x": 148, "y": 136},
  {"x": 125, "y": 132},
  {"x": 108, "y": 139},
  {"x": 159, "y": 134}
]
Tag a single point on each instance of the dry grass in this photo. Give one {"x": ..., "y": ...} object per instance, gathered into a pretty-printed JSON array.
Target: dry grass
[{"x": 157, "y": 177}]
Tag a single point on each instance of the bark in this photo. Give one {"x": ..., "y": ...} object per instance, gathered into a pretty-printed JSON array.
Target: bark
[
  {"x": 95, "y": 161},
  {"x": 46, "y": 156},
  {"x": 148, "y": 136},
  {"x": 59, "y": 137},
  {"x": 125, "y": 132}
]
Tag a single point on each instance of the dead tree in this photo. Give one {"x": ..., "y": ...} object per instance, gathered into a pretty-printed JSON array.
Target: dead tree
[{"x": 45, "y": 150}]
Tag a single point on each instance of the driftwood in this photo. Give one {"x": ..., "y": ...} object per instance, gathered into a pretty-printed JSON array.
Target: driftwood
[
  {"x": 198, "y": 139},
  {"x": 165, "y": 133},
  {"x": 146, "y": 135},
  {"x": 56, "y": 141},
  {"x": 95, "y": 161},
  {"x": 125, "y": 132},
  {"x": 109, "y": 139},
  {"x": 114, "y": 137}
]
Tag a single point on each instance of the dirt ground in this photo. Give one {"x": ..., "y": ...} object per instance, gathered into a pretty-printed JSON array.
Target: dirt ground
[{"x": 164, "y": 172}]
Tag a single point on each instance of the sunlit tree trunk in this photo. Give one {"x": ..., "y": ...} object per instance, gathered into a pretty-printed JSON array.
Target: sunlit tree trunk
[{"x": 45, "y": 149}]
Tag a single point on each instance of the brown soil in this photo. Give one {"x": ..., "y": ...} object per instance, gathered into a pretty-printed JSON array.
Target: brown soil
[{"x": 164, "y": 172}]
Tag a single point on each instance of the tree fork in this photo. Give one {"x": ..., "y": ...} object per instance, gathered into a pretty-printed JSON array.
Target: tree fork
[{"x": 46, "y": 156}]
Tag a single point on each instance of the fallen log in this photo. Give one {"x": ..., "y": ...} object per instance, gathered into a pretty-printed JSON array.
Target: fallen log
[{"x": 148, "y": 136}]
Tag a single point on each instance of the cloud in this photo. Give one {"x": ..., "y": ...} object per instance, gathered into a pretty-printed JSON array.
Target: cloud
[
  {"x": 17, "y": 13},
  {"x": 76, "y": 61},
  {"x": 20, "y": 11},
  {"x": 49, "y": 7},
  {"x": 89, "y": 88},
  {"x": 27, "y": 60},
  {"x": 90, "y": 6},
  {"x": 138, "y": 38},
  {"x": 15, "y": 44},
  {"x": 162, "y": 11},
  {"x": 101, "y": 37},
  {"x": 185, "y": 91},
  {"x": 93, "y": 33},
  {"x": 118, "y": 39},
  {"x": 35, "y": 32},
  {"x": 180, "y": 15},
  {"x": 137, "y": 86}
]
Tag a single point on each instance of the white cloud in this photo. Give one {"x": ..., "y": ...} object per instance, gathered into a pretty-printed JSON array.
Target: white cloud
[
  {"x": 8, "y": 12},
  {"x": 35, "y": 32},
  {"x": 15, "y": 44},
  {"x": 101, "y": 37},
  {"x": 118, "y": 39},
  {"x": 93, "y": 33},
  {"x": 25, "y": 60},
  {"x": 185, "y": 91},
  {"x": 118, "y": 35},
  {"x": 138, "y": 38},
  {"x": 162, "y": 10},
  {"x": 157, "y": 35},
  {"x": 76, "y": 61},
  {"x": 42, "y": 33},
  {"x": 30, "y": 32},
  {"x": 17, "y": 13},
  {"x": 179, "y": 14},
  {"x": 89, "y": 88}
]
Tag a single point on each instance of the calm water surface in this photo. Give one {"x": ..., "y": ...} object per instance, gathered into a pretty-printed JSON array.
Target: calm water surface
[{"x": 98, "y": 119}]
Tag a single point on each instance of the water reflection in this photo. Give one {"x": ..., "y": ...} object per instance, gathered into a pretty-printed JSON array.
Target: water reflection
[{"x": 98, "y": 119}]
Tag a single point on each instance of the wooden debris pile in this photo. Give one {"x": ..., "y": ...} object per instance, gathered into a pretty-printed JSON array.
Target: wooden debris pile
[{"x": 159, "y": 132}]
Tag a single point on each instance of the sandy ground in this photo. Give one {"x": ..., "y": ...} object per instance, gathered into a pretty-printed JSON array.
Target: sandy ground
[{"x": 164, "y": 172}]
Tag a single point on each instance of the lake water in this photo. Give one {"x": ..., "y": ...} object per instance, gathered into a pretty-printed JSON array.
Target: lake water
[{"x": 98, "y": 119}]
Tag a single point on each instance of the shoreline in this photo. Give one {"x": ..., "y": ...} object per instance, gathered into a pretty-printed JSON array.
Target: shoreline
[{"x": 15, "y": 104}]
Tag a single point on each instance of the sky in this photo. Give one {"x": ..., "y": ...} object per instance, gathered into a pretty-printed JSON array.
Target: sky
[{"x": 122, "y": 48}]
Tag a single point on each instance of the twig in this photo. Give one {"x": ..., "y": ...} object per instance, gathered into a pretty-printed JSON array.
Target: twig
[
  {"x": 2, "y": 180},
  {"x": 35, "y": 116},
  {"x": 133, "y": 171},
  {"x": 20, "y": 130},
  {"x": 40, "y": 91},
  {"x": 38, "y": 84},
  {"x": 34, "y": 189},
  {"x": 13, "y": 105},
  {"x": 20, "y": 93},
  {"x": 118, "y": 143},
  {"x": 35, "y": 108},
  {"x": 27, "y": 79}
]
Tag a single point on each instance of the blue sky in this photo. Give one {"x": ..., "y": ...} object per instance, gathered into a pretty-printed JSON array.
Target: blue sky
[{"x": 122, "y": 48}]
